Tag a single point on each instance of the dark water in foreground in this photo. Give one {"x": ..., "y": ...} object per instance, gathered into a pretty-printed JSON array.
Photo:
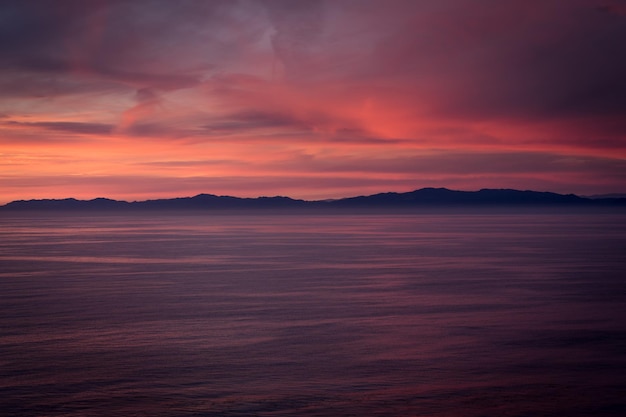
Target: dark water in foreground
[{"x": 313, "y": 315}]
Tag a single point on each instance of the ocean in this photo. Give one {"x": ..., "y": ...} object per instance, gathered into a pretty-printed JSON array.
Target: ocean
[{"x": 313, "y": 314}]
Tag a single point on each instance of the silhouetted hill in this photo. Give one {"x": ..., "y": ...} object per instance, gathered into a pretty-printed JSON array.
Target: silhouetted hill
[
  {"x": 67, "y": 204},
  {"x": 425, "y": 197},
  {"x": 201, "y": 201},
  {"x": 443, "y": 196},
  {"x": 210, "y": 201}
]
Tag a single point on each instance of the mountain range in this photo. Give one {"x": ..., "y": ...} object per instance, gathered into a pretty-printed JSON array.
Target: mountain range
[{"x": 425, "y": 197}]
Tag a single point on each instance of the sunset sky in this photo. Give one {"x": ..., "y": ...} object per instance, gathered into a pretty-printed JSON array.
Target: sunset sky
[{"x": 311, "y": 99}]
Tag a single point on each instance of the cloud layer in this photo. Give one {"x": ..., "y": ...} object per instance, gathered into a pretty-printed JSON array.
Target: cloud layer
[{"x": 315, "y": 99}]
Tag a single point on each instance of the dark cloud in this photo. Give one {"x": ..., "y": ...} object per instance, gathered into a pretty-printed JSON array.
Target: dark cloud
[
  {"x": 70, "y": 127},
  {"x": 119, "y": 41},
  {"x": 513, "y": 59},
  {"x": 50, "y": 132},
  {"x": 522, "y": 59},
  {"x": 247, "y": 121},
  {"x": 151, "y": 130},
  {"x": 16, "y": 84}
]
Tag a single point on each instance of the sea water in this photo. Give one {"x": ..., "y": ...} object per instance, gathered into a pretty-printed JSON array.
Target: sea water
[{"x": 313, "y": 314}]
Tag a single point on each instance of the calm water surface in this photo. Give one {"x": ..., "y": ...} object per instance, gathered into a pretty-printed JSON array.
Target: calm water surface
[{"x": 313, "y": 315}]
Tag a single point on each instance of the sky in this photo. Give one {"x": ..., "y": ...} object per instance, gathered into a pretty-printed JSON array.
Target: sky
[{"x": 313, "y": 99}]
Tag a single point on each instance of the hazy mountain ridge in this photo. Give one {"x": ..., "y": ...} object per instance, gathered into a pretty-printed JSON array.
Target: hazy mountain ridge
[{"x": 428, "y": 197}]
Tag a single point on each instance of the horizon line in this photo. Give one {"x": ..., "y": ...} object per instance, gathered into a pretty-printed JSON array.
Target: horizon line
[{"x": 592, "y": 196}]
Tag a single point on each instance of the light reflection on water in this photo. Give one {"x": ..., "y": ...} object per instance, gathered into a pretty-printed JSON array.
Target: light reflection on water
[{"x": 313, "y": 315}]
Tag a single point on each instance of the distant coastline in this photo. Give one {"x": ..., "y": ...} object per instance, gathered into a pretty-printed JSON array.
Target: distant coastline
[{"x": 424, "y": 198}]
